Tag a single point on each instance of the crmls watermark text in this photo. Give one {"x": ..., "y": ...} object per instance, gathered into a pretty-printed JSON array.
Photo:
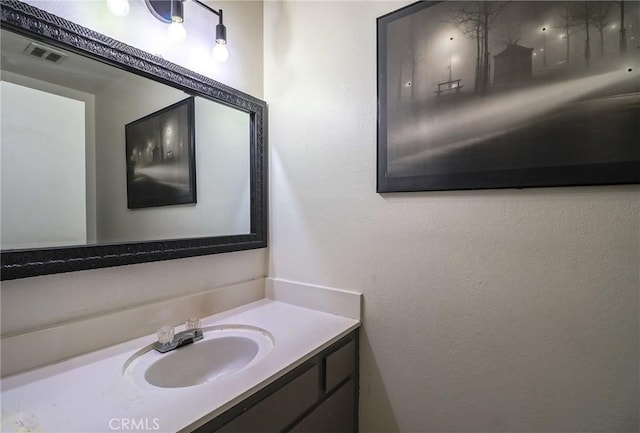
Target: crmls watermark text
[{"x": 134, "y": 424}]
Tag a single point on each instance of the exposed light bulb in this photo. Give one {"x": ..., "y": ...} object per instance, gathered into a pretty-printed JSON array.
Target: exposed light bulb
[
  {"x": 220, "y": 52},
  {"x": 118, "y": 7},
  {"x": 177, "y": 32}
]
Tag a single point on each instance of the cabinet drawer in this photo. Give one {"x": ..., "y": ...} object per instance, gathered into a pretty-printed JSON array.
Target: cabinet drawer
[
  {"x": 339, "y": 365},
  {"x": 277, "y": 411}
]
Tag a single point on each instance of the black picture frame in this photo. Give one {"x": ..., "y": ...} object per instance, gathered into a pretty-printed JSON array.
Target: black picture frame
[
  {"x": 160, "y": 152},
  {"x": 533, "y": 122}
]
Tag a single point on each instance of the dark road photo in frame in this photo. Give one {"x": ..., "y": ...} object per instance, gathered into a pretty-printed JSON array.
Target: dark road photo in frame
[
  {"x": 493, "y": 94},
  {"x": 161, "y": 157}
]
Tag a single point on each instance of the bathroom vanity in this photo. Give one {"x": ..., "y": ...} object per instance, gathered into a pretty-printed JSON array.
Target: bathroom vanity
[{"x": 308, "y": 381}]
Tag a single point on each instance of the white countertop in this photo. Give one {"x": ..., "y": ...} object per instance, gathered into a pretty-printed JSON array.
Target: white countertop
[{"x": 89, "y": 393}]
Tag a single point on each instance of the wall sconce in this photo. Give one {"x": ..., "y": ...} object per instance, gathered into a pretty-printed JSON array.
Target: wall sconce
[{"x": 172, "y": 13}]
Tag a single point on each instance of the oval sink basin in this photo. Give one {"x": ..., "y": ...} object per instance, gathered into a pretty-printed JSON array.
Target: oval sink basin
[{"x": 222, "y": 352}]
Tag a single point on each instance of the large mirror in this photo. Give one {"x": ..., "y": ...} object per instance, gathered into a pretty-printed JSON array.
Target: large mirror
[{"x": 113, "y": 156}]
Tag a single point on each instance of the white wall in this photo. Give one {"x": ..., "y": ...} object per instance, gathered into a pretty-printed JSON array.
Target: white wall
[
  {"x": 503, "y": 310},
  {"x": 45, "y": 301},
  {"x": 89, "y": 144},
  {"x": 43, "y": 174}
]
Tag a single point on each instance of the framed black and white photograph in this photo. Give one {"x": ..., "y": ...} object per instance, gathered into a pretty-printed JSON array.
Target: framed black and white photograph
[
  {"x": 161, "y": 157},
  {"x": 497, "y": 94}
]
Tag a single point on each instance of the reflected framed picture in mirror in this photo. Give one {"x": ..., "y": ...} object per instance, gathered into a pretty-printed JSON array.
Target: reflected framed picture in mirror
[{"x": 160, "y": 149}]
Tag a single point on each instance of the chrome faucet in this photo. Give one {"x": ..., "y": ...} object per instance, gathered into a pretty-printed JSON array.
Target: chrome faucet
[{"x": 168, "y": 342}]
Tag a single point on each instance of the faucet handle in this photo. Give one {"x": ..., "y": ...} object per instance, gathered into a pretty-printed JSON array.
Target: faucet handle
[
  {"x": 192, "y": 324},
  {"x": 165, "y": 334}
]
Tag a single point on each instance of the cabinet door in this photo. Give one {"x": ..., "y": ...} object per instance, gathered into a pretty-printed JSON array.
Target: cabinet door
[
  {"x": 337, "y": 414},
  {"x": 339, "y": 365}
]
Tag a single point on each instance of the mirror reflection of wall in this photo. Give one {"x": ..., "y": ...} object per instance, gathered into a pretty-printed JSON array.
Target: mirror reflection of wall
[
  {"x": 43, "y": 168},
  {"x": 105, "y": 100}
]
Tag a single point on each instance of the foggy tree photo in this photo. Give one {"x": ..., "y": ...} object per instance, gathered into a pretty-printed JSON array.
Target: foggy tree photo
[{"x": 479, "y": 94}]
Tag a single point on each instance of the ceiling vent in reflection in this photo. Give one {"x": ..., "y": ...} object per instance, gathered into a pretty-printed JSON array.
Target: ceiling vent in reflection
[{"x": 45, "y": 53}]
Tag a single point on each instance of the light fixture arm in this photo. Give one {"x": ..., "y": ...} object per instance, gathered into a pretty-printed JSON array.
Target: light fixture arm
[
  {"x": 221, "y": 30},
  {"x": 217, "y": 12}
]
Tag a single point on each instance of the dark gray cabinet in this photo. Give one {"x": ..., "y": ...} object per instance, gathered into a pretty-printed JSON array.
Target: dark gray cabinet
[{"x": 320, "y": 395}]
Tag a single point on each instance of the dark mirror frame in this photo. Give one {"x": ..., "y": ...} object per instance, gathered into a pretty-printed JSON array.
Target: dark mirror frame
[{"x": 43, "y": 26}]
